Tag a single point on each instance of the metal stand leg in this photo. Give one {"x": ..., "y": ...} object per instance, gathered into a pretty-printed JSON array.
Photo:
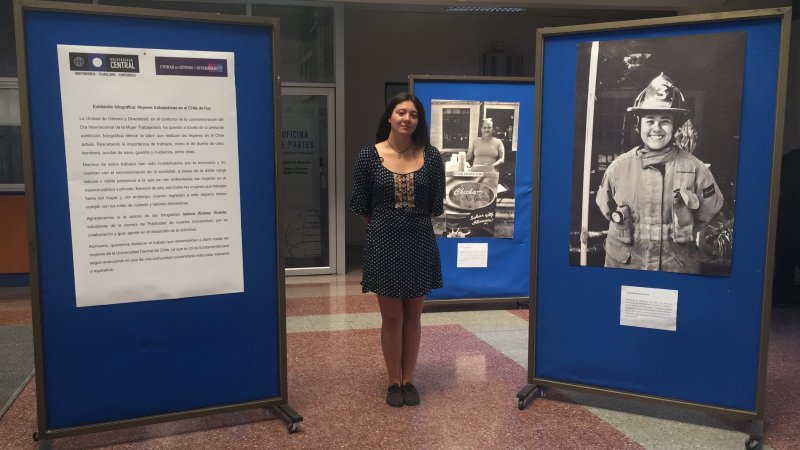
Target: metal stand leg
[
  {"x": 525, "y": 395},
  {"x": 44, "y": 444},
  {"x": 756, "y": 439},
  {"x": 291, "y": 416}
]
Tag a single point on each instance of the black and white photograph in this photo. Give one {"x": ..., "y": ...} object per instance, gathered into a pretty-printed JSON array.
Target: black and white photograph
[
  {"x": 478, "y": 143},
  {"x": 655, "y": 155}
]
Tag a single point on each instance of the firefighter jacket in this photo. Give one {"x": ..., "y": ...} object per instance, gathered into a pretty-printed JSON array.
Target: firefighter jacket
[{"x": 656, "y": 203}]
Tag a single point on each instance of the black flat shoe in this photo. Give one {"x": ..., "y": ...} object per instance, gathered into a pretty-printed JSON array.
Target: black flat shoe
[
  {"x": 394, "y": 397},
  {"x": 410, "y": 395}
]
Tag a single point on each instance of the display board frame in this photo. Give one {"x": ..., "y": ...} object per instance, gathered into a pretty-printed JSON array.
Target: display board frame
[
  {"x": 502, "y": 281},
  {"x": 265, "y": 300},
  {"x": 552, "y": 327}
]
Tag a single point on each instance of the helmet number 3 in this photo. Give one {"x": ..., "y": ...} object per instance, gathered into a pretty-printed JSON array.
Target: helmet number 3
[{"x": 661, "y": 91}]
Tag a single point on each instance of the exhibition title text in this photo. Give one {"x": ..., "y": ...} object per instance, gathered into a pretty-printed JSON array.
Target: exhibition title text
[{"x": 153, "y": 107}]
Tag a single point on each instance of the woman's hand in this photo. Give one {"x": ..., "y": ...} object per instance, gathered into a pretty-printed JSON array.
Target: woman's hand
[{"x": 365, "y": 219}]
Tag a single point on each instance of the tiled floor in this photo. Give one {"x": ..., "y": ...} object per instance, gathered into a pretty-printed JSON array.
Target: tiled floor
[{"x": 471, "y": 365}]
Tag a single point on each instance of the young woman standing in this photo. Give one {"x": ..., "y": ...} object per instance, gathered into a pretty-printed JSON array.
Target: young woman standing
[{"x": 398, "y": 185}]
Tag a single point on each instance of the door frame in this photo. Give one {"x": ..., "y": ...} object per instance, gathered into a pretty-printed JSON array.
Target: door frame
[{"x": 328, "y": 91}]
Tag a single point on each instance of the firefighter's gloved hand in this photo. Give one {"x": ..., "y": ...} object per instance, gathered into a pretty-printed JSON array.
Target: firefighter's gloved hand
[
  {"x": 682, "y": 220},
  {"x": 623, "y": 222},
  {"x": 689, "y": 198}
]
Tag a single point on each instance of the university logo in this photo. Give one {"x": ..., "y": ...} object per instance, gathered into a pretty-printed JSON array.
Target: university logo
[
  {"x": 216, "y": 67},
  {"x": 100, "y": 62},
  {"x": 191, "y": 67}
]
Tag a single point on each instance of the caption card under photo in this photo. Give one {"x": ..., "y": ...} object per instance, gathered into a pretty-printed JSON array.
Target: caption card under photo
[
  {"x": 649, "y": 308},
  {"x": 473, "y": 255}
]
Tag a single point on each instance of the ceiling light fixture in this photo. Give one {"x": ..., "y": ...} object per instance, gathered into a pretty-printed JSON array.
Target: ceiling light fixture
[{"x": 485, "y": 9}]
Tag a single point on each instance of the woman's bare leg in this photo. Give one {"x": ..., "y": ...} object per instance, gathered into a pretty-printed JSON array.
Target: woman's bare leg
[
  {"x": 412, "y": 331},
  {"x": 392, "y": 335}
]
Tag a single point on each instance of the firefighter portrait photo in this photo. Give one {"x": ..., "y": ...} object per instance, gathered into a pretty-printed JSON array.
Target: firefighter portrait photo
[{"x": 655, "y": 156}]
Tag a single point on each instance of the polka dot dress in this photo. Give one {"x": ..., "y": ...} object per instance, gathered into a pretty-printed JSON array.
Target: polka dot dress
[{"x": 401, "y": 258}]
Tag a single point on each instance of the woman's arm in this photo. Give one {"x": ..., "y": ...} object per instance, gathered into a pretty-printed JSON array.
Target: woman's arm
[
  {"x": 436, "y": 205},
  {"x": 361, "y": 196},
  {"x": 471, "y": 151},
  {"x": 501, "y": 153}
]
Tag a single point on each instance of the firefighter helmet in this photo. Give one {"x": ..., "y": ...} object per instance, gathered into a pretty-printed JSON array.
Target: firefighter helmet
[{"x": 661, "y": 95}]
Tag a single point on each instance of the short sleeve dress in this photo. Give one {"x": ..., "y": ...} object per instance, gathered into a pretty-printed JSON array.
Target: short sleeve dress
[{"x": 401, "y": 257}]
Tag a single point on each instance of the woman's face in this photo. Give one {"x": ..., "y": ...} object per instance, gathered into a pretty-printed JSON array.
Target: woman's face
[
  {"x": 404, "y": 118},
  {"x": 656, "y": 131},
  {"x": 486, "y": 129}
]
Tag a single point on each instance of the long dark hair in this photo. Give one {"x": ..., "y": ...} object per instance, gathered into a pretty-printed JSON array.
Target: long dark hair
[{"x": 419, "y": 136}]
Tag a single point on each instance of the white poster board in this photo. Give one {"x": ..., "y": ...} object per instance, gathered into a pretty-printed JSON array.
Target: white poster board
[{"x": 153, "y": 174}]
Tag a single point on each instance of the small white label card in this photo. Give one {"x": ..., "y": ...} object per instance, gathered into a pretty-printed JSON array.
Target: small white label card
[
  {"x": 649, "y": 308},
  {"x": 473, "y": 255}
]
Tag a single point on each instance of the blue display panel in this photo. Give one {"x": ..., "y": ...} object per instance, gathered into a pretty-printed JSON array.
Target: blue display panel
[
  {"x": 507, "y": 271},
  {"x": 110, "y": 363},
  {"x": 713, "y": 356}
]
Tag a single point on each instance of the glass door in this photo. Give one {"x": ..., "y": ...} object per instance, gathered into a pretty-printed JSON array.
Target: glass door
[
  {"x": 10, "y": 138},
  {"x": 307, "y": 146}
]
